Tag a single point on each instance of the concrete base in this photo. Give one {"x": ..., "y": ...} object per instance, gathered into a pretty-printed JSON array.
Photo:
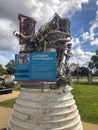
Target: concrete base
[{"x": 47, "y": 110}]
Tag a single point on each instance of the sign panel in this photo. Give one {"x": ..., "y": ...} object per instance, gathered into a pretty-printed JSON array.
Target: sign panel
[{"x": 35, "y": 66}]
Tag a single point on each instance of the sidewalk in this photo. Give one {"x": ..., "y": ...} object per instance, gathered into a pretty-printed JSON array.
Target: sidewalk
[
  {"x": 5, "y": 112},
  {"x": 89, "y": 126},
  {"x": 4, "y": 116},
  {"x": 5, "y": 97}
]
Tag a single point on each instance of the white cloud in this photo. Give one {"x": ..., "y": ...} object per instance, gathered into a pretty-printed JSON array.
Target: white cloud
[
  {"x": 86, "y": 36},
  {"x": 94, "y": 42},
  {"x": 80, "y": 57},
  {"x": 41, "y": 10},
  {"x": 75, "y": 41},
  {"x": 9, "y": 44},
  {"x": 7, "y": 40},
  {"x": 94, "y": 25},
  {"x": 4, "y": 59},
  {"x": 6, "y": 28},
  {"x": 92, "y": 34},
  {"x": 78, "y": 52}
]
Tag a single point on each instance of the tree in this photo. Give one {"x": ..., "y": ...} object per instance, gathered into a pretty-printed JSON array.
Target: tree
[
  {"x": 93, "y": 64},
  {"x": 84, "y": 71},
  {"x": 10, "y": 67},
  {"x": 2, "y": 70},
  {"x": 96, "y": 73}
]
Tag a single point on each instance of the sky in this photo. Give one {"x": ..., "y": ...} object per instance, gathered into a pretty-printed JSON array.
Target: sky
[{"x": 83, "y": 16}]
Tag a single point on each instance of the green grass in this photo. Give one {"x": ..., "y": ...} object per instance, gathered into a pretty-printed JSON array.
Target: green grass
[
  {"x": 86, "y": 97},
  {"x": 17, "y": 87},
  {"x": 8, "y": 103}
]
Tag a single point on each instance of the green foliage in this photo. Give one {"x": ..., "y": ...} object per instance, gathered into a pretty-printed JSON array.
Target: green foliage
[
  {"x": 86, "y": 97},
  {"x": 96, "y": 73},
  {"x": 82, "y": 71},
  {"x": 93, "y": 64},
  {"x": 2, "y": 70},
  {"x": 10, "y": 67},
  {"x": 17, "y": 87},
  {"x": 8, "y": 103}
]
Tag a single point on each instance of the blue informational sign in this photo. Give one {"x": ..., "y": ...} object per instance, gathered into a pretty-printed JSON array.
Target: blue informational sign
[{"x": 35, "y": 66}]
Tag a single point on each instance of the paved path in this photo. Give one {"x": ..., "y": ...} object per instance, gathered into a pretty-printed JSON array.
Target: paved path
[
  {"x": 4, "y": 97},
  {"x": 89, "y": 126},
  {"x": 4, "y": 116},
  {"x": 5, "y": 113}
]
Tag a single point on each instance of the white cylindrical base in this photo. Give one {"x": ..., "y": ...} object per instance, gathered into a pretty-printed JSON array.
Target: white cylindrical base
[{"x": 47, "y": 110}]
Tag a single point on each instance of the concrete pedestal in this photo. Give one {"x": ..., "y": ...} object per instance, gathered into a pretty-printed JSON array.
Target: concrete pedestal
[{"x": 47, "y": 110}]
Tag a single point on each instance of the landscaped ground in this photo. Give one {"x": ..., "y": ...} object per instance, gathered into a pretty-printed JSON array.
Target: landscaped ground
[
  {"x": 5, "y": 113},
  {"x": 86, "y": 97}
]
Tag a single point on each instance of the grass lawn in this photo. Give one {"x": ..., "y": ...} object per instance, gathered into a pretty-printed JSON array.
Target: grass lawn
[
  {"x": 86, "y": 97},
  {"x": 8, "y": 103}
]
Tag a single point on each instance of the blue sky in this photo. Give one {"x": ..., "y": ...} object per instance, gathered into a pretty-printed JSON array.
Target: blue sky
[
  {"x": 83, "y": 16},
  {"x": 81, "y": 23}
]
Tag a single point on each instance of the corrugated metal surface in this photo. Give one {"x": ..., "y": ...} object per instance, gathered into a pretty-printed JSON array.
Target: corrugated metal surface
[{"x": 47, "y": 110}]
